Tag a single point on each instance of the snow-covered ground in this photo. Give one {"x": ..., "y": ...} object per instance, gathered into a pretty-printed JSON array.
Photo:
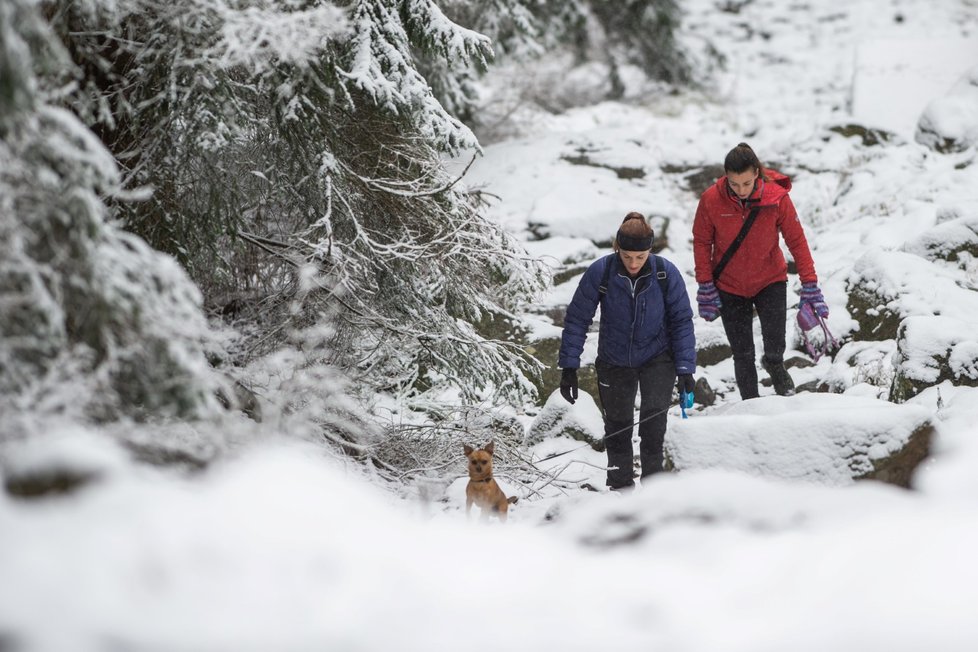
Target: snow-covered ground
[{"x": 284, "y": 548}]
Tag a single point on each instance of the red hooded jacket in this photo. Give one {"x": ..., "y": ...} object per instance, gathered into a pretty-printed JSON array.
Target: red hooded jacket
[{"x": 759, "y": 261}]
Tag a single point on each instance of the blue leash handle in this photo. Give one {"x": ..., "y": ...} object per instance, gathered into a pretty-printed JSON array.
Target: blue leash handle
[{"x": 685, "y": 401}]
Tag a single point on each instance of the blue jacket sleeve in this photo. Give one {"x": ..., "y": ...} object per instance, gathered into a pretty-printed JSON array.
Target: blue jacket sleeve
[
  {"x": 580, "y": 314},
  {"x": 682, "y": 338}
]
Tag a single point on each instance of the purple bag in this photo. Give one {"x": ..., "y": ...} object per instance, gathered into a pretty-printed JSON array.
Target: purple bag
[{"x": 808, "y": 320}]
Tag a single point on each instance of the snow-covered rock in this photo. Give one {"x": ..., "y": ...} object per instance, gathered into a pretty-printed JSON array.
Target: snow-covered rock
[
  {"x": 952, "y": 241},
  {"x": 886, "y": 287},
  {"x": 950, "y": 123},
  {"x": 580, "y": 421},
  {"x": 931, "y": 350},
  {"x": 711, "y": 343},
  {"x": 63, "y": 460},
  {"x": 896, "y": 76},
  {"x": 820, "y": 438},
  {"x": 863, "y": 362}
]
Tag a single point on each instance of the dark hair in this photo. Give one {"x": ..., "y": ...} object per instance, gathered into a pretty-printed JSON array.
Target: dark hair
[
  {"x": 634, "y": 234},
  {"x": 741, "y": 158}
]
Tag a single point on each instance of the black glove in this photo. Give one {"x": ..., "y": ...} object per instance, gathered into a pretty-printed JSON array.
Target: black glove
[
  {"x": 568, "y": 385},
  {"x": 685, "y": 383}
]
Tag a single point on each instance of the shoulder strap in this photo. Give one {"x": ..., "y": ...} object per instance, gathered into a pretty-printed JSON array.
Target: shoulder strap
[
  {"x": 660, "y": 274},
  {"x": 663, "y": 277},
  {"x": 657, "y": 265},
  {"x": 603, "y": 288},
  {"x": 735, "y": 245}
]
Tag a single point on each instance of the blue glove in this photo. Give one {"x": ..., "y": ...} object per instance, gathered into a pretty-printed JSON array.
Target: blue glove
[
  {"x": 709, "y": 301},
  {"x": 811, "y": 295}
]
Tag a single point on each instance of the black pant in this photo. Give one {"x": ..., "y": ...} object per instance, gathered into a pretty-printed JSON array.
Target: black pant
[
  {"x": 617, "y": 387},
  {"x": 737, "y": 314}
]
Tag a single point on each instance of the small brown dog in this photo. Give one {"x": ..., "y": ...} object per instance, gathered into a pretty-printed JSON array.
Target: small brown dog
[{"x": 482, "y": 489}]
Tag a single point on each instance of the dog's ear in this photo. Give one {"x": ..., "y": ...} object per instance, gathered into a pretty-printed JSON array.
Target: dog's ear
[
  {"x": 490, "y": 447},
  {"x": 468, "y": 450}
]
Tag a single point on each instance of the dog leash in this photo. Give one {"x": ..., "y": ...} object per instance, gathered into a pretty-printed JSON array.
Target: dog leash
[{"x": 609, "y": 436}]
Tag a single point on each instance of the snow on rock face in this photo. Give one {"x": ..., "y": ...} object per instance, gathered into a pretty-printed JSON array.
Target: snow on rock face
[
  {"x": 886, "y": 287},
  {"x": 61, "y": 461},
  {"x": 931, "y": 350},
  {"x": 581, "y": 421},
  {"x": 950, "y": 123},
  {"x": 954, "y": 241},
  {"x": 895, "y": 78},
  {"x": 818, "y": 438},
  {"x": 712, "y": 345}
]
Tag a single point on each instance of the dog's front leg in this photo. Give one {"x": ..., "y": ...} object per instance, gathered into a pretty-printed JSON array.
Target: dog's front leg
[{"x": 468, "y": 508}]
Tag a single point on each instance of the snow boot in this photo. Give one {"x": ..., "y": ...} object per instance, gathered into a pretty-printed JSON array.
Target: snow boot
[{"x": 783, "y": 385}]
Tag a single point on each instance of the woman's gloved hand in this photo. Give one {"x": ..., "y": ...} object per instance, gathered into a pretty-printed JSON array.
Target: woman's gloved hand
[
  {"x": 685, "y": 384},
  {"x": 811, "y": 295},
  {"x": 568, "y": 385},
  {"x": 709, "y": 301}
]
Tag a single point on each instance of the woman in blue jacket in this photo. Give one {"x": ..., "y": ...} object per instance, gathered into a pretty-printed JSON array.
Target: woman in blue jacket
[{"x": 645, "y": 341}]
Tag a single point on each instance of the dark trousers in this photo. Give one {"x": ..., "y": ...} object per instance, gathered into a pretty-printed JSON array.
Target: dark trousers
[
  {"x": 617, "y": 388},
  {"x": 737, "y": 314}
]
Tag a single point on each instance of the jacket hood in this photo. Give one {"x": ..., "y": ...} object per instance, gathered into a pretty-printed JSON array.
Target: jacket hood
[{"x": 776, "y": 186}]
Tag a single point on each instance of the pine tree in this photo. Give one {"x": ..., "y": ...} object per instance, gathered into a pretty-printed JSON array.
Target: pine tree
[
  {"x": 641, "y": 33},
  {"x": 93, "y": 323},
  {"x": 295, "y": 150}
]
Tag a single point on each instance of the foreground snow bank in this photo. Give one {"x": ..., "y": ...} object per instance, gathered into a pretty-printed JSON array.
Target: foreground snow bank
[
  {"x": 283, "y": 550},
  {"x": 278, "y": 551},
  {"x": 733, "y": 562}
]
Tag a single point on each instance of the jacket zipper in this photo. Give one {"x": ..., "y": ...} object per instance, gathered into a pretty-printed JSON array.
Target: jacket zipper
[{"x": 632, "y": 285}]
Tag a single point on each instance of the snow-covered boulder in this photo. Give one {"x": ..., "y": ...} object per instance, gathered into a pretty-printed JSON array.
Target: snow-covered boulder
[
  {"x": 695, "y": 178},
  {"x": 870, "y": 136},
  {"x": 896, "y": 76},
  {"x": 712, "y": 346},
  {"x": 950, "y": 123},
  {"x": 869, "y": 363},
  {"x": 59, "y": 462},
  {"x": 819, "y": 438},
  {"x": 546, "y": 350},
  {"x": 885, "y": 287},
  {"x": 581, "y": 421},
  {"x": 931, "y": 350},
  {"x": 952, "y": 241}
]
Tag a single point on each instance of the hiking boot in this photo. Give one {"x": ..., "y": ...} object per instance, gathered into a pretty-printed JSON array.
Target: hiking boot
[{"x": 783, "y": 385}]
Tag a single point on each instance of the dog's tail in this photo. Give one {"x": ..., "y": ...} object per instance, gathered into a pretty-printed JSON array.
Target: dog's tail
[{"x": 512, "y": 500}]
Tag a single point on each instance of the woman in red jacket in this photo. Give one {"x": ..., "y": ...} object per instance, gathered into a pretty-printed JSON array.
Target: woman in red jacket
[{"x": 754, "y": 275}]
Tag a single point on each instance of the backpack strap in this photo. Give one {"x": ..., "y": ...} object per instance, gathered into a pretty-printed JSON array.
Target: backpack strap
[
  {"x": 660, "y": 274},
  {"x": 658, "y": 267},
  {"x": 603, "y": 288}
]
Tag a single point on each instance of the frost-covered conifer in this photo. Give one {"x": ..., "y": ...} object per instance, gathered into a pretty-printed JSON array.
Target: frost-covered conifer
[
  {"x": 93, "y": 323},
  {"x": 268, "y": 136},
  {"x": 645, "y": 34}
]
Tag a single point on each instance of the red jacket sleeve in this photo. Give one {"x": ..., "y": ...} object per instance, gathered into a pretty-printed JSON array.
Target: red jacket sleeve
[
  {"x": 794, "y": 237},
  {"x": 703, "y": 236}
]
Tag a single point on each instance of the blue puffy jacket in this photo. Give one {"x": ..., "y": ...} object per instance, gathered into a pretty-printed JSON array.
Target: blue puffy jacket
[{"x": 637, "y": 323}]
